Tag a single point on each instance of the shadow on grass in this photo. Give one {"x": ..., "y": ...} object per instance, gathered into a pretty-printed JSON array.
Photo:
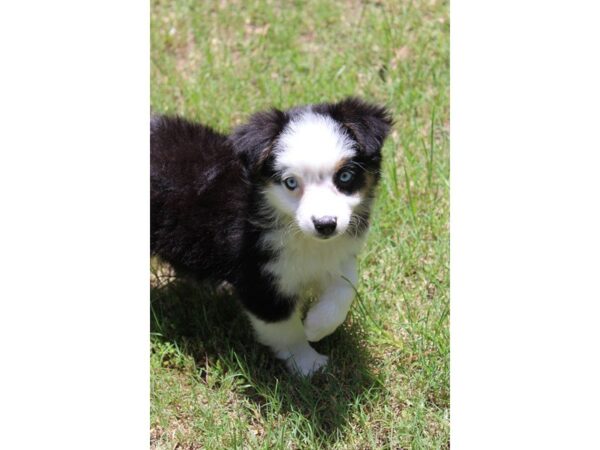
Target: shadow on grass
[{"x": 208, "y": 325}]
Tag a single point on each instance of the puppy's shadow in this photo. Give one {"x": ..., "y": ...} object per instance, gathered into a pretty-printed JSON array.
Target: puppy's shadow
[{"x": 207, "y": 323}]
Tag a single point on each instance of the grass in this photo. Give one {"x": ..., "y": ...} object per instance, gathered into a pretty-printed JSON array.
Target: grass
[{"x": 387, "y": 385}]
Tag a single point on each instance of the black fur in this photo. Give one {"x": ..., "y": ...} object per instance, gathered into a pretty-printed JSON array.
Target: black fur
[
  {"x": 254, "y": 140},
  {"x": 368, "y": 125},
  {"x": 205, "y": 195}
]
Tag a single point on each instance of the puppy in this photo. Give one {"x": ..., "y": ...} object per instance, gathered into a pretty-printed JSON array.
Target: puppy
[{"x": 279, "y": 209}]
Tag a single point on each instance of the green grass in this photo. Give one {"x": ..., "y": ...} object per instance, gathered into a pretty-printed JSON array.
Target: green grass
[{"x": 387, "y": 384}]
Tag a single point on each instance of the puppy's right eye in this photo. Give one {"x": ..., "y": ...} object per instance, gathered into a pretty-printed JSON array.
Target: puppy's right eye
[
  {"x": 345, "y": 176},
  {"x": 291, "y": 183}
]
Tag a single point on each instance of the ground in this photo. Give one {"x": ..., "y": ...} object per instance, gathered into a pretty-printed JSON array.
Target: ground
[{"x": 387, "y": 385}]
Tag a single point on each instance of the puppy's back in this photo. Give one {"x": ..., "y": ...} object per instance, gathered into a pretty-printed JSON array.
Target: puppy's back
[{"x": 198, "y": 198}]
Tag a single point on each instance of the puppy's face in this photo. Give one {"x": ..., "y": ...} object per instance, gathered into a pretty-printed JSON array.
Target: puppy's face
[
  {"x": 318, "y": 165},
  {"x": 319, "y": 181}
]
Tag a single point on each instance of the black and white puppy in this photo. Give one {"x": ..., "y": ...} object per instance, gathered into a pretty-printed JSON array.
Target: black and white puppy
[{"x": 280, "y": 209}]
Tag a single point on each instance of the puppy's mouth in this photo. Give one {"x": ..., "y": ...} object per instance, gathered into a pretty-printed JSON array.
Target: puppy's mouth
[
  {"x": 314, "y": 235},
  {"x": 325, "y": 237}
]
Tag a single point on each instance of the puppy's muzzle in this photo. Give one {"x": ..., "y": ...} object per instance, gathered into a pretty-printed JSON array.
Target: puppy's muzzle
[{"x": 325, "y": 225}]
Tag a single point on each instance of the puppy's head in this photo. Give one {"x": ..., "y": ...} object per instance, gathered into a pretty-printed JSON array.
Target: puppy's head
[{"x": 318, "y": 165}]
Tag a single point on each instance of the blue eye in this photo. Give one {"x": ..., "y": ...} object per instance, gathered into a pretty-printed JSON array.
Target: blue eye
[
  {"x": 345, "y": 176},
  {"x": 290, "y": 183}
]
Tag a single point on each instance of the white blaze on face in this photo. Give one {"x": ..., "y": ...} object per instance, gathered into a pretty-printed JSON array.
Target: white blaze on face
[
  {"x": 313, "y": 144},
  {"x": 311, "y": 149}
]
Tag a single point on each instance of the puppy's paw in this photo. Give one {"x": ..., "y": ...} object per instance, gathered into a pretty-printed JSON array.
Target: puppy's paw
[
  {"x": 306, "y": 362},
  {"x": 319, "y": 324},
  {"x": 315, "y": 333}
]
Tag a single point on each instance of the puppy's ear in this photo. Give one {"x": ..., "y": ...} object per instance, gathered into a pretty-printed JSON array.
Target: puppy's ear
[
  {"x": 369, "y": 124},
  {"x": 253, "y": 141}
]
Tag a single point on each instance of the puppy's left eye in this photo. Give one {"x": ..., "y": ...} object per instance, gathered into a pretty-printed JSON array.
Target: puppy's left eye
[
  {"x": 345, "y": 176},
  {"x": 291, "y": 183}
]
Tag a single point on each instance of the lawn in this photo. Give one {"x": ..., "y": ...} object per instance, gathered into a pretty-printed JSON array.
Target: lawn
[{"x": 387, "y": 384}]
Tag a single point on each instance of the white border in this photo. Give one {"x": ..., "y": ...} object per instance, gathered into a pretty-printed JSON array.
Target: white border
[
  {"x": 74, "y": 242},
  {"x": 74, "y": 174},
  {"x": 525, "y": 224}
]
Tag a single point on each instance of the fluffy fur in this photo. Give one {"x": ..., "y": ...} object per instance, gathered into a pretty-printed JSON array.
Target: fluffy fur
[{"x": 279, "y": 209}]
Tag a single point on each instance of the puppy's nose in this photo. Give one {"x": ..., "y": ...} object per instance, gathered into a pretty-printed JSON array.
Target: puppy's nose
[{"x": 325, "y": 225}]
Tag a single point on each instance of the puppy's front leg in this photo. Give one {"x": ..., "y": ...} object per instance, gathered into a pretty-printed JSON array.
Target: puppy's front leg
[
  {"x": 287, "y": 340},
  {"x": 330, "y": 311}
]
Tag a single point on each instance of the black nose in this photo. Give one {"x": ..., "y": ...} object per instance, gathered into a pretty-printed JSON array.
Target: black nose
[{"x": 325, "y": 225}]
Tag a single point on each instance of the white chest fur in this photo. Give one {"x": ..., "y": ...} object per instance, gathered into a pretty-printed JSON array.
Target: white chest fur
[{"x": 304, "y": 263}]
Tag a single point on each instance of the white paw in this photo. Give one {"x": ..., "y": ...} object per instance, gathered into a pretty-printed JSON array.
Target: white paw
[
  {"x": 318, "y": 324},
  {"x": 306, "y": 362}
]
